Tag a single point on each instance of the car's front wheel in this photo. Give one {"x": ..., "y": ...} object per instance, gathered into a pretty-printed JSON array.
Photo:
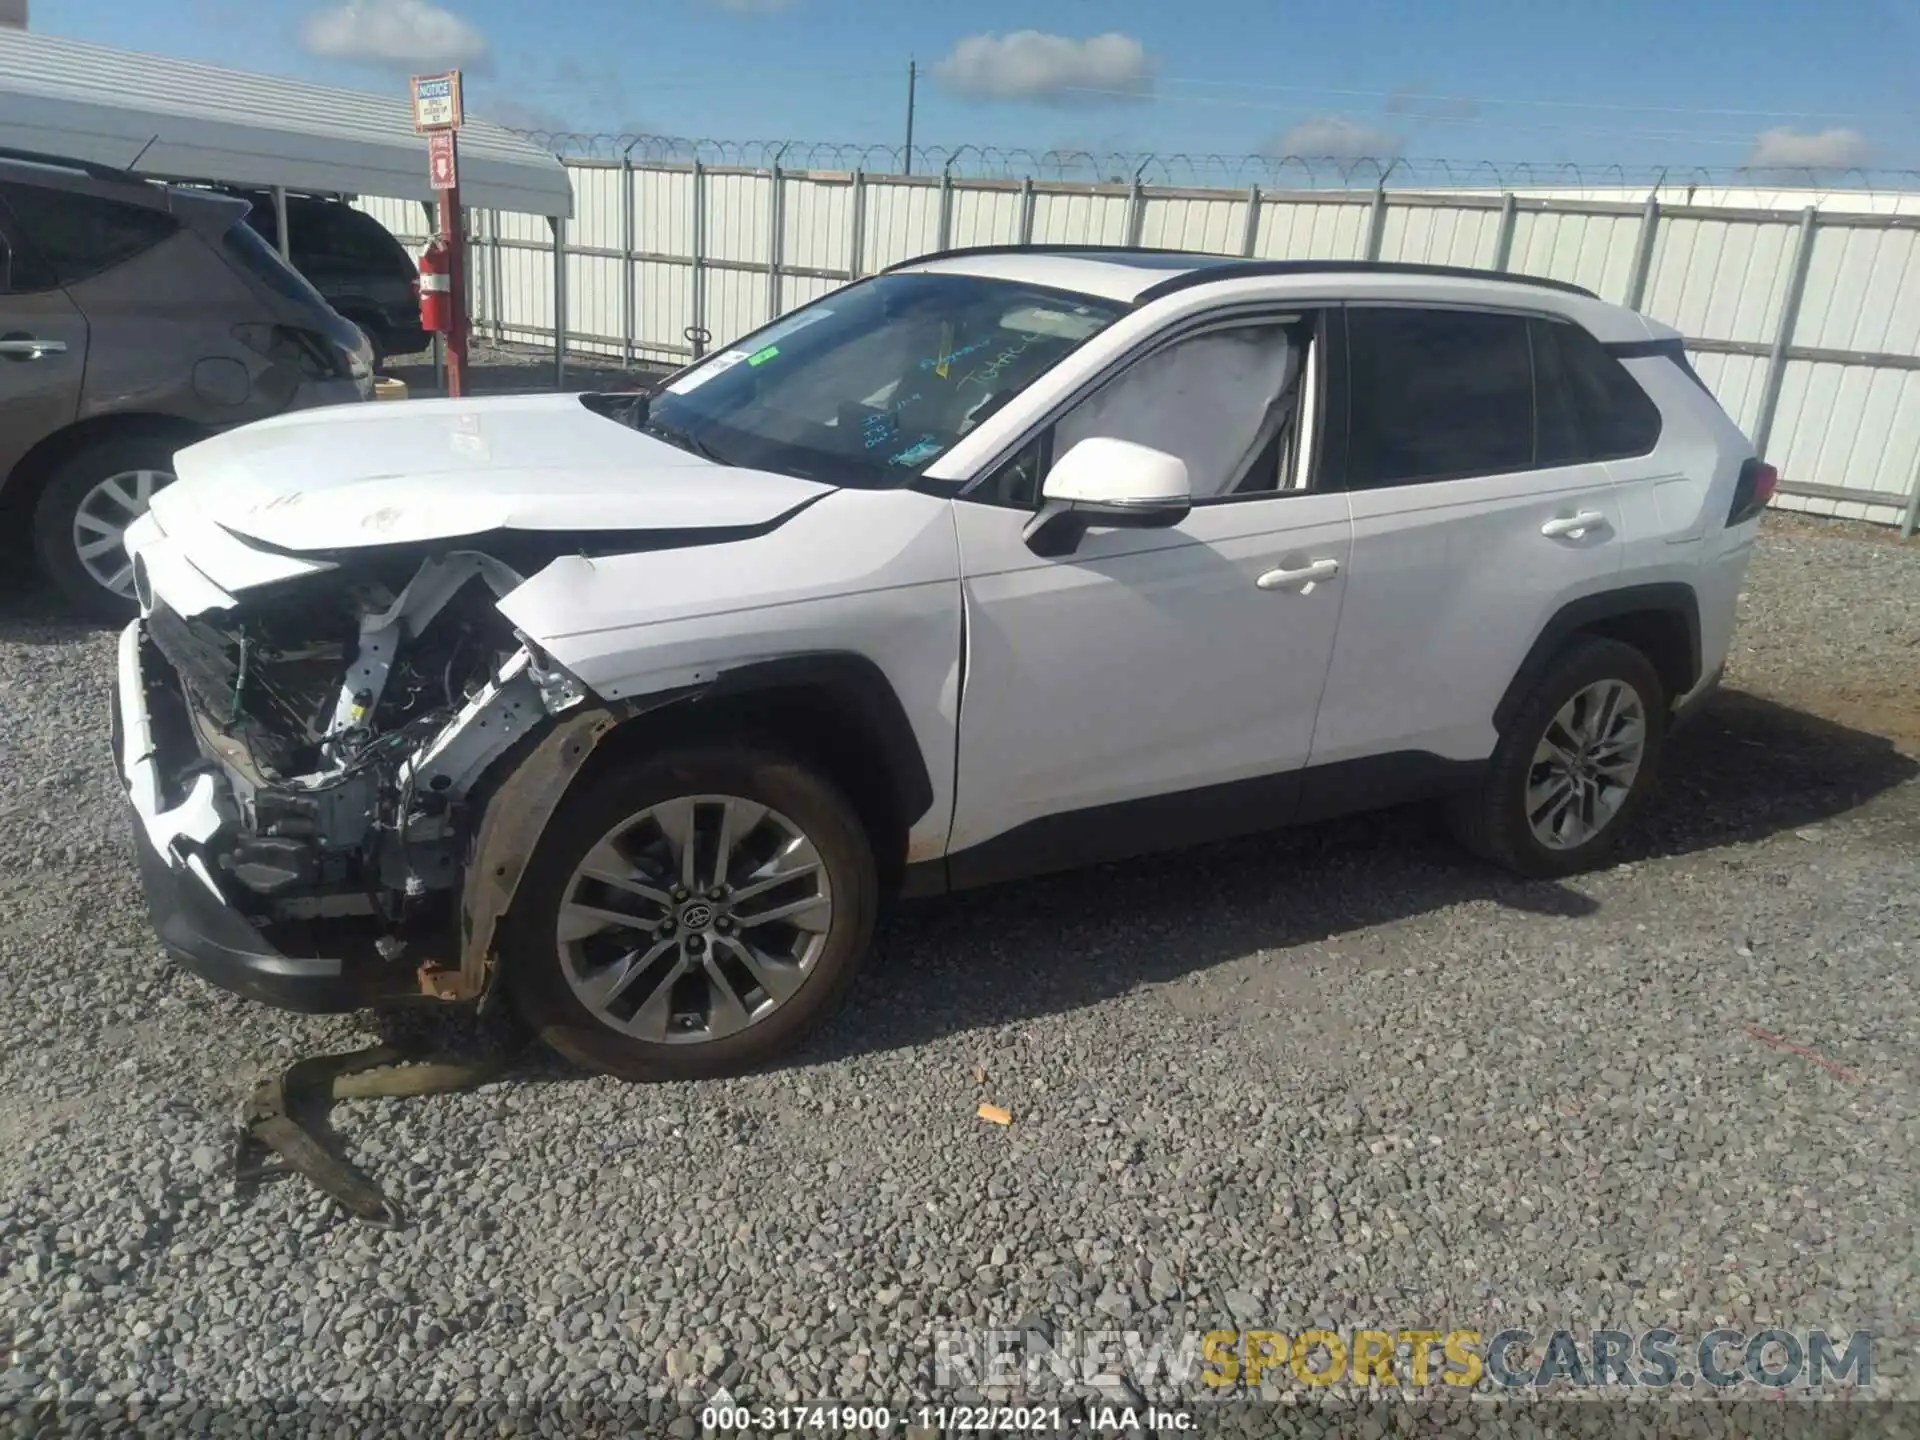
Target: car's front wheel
[
  {"x": 691, "y": 915},
  {"x": 1574, "y": 765}
]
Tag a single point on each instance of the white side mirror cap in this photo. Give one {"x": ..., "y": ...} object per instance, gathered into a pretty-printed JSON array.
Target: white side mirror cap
[{"x": 1100, "y": 471}]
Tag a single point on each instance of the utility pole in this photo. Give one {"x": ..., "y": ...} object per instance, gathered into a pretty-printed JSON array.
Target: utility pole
[{"x": 913, "y": 74}]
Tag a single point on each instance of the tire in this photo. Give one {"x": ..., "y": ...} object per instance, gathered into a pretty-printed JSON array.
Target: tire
[
  {"x": 647, "y": 1031},
  {"x": 1496, "y": 820},
  {"x": 137, "y": 466}
]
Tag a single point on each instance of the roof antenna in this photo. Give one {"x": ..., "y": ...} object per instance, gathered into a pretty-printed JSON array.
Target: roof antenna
[{"x": 128, "y": 167}]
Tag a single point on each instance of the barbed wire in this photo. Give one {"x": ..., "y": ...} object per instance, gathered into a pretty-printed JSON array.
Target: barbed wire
[{"x": 987, "y": 162}]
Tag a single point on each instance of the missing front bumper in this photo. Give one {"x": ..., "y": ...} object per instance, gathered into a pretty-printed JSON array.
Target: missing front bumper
[{"x": 194, "y": 920}]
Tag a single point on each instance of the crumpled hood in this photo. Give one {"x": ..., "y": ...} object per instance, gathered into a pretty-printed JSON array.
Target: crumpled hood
[{"x": 391, "y": 473}]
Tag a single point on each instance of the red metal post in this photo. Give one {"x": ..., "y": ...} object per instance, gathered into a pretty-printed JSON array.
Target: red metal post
[{"x": 455, "y": 231}]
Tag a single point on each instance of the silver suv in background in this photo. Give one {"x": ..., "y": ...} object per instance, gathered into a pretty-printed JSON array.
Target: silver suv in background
[{"x": 135, "y": 319}]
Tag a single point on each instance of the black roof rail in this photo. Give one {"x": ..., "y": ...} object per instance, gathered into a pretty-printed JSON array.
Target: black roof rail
[
  {"x": 1244, "y": 268},
  {"x": 1211, "y": 267}
]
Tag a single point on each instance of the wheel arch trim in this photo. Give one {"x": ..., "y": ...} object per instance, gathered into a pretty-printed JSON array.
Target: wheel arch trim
[{"x": 1669, "y": 600}]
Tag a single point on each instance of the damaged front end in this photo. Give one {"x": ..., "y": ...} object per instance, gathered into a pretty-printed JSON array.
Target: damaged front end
[{"x": 310, "y": 769}]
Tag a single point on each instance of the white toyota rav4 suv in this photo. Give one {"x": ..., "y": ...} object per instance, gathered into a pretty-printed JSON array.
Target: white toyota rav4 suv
[{"x": 1002, "y": 561}]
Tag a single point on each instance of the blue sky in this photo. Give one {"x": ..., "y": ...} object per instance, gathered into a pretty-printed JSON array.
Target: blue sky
[{"x": 1640, "y": 83}]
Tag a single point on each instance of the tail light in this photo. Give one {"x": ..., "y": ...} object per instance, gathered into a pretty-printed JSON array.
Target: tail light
[{"x": 1751, "y": 494}]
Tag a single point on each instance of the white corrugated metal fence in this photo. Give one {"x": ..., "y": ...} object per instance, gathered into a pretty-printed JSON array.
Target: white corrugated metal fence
[{"x": 1802, "y": 311}]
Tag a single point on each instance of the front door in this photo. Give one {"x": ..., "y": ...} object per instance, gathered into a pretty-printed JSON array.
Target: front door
[
  {"x": 1153, "y": 687},
  {"x": 43, "y": 351}
]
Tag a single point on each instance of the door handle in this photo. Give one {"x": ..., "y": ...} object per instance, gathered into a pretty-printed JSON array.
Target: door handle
[
  {"x": 1305, "y": 575},
  {"x": 26, "y": 347},
  {"x": 1572, "y": 527}
]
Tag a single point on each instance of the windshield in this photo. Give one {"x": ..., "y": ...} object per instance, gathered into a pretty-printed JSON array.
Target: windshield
[{"x": 873, "y": 383}]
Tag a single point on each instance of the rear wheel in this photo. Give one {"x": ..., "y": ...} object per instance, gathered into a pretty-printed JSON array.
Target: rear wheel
[
  {"x": 691, "y": 915},
  {"x": 1574, "y": 766},
  {"x": 81, "y": 518}
]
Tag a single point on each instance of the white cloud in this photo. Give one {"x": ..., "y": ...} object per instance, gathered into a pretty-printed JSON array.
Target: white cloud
[
  {"x": 522, "y": 115},
  {"x": 1335, "y": 137},
  {"x": 395, "y": 34},
  {"x": 1033, "y": 66},
  {"x": 1788, "y": 148}
]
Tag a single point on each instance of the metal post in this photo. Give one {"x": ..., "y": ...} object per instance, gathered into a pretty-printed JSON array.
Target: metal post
[
  {"x": 1911, "y": 520},
  {"x": 1503, "y": 242},
  {"x": 946, "y": 204},
  {"x": 699, "y": 286},
  {"x": 453, "y": 227},
  {"x": 776, "y": 225},
  {"x": 913, "y": 74},
  {"x": 280, "y": 223},
  {"x": 497, "y": 305},
  {"x": 559, "y": 227},
  {"x": 1250, "y": 235},
  {"x": 626, "y": 257},
  {"x": 1376, "y": 222},
  {"x": 1026, "y": 210},
  {"x": 1643, "y": 252},
  {"x": 857, "y": 224},
  {"x": 1136, "y": 213},
  {"x": 1783, "y": 332},
  {"x": 439, "y": 340}
]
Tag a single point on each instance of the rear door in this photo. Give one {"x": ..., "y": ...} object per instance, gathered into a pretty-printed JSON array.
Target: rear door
[
  {"x": 43, "y": 348},
  {"x": 1472, "y": 525}
]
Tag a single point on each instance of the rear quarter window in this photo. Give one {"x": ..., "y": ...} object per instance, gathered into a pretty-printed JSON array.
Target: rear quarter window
[
  {"x": 1590, "y": 408},
  {"x": 254, "y": 256},
  {"x": 78, "y": 236}
]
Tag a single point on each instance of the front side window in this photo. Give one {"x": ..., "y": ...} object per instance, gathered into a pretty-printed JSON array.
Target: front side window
[
  {"x": 872, "y": 384},
  {"x": 1437, "y": 394},
  {"x": 1228, "y": 402},
  {"x": 82, "y": 235}
]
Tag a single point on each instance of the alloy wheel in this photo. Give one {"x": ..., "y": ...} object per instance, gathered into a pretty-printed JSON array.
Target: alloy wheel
[
  {"x": 694, "y": 919},
  {"x": 100, "y": 526},
  {"x": 1585, "y": 765}
]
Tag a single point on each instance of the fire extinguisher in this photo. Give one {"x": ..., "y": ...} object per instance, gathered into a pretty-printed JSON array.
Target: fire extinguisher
[{"x": 436, "y": 286}]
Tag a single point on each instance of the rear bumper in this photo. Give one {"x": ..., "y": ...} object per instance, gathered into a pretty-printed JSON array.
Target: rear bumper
[{"x": 193, "y": 919}]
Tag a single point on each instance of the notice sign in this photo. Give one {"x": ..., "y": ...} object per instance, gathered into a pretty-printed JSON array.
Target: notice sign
[
  {"x": 436, "y": 101},
  {"x": 441, "y": 173}
]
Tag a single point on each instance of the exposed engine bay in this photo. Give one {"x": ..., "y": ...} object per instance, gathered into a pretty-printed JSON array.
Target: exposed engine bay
[{"x": 352, "y": 717}]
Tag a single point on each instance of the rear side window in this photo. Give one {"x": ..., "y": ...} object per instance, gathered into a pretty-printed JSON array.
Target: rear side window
[
  {"x": 1437, "y": 394},
  {"x": 22, "y": 272},
  {"x": 341, "y": 234},
  {"x": 247, "y": 248},
  {"x": 1590, "y": 407},
  {"x": 80, "y": 236}
]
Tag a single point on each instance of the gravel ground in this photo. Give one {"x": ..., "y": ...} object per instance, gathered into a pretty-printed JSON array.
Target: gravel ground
[{"x": 1337, "y": 1077}]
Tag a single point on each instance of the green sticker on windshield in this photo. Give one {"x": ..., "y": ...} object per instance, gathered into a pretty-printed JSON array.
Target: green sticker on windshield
[{"x": 761, "y": 357}]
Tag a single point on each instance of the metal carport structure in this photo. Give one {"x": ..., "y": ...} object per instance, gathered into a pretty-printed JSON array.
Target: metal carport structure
[{"x": 182, "y": 120}]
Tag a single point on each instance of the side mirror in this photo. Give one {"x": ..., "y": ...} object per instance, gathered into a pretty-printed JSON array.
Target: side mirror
[{"x": 1112, "y": 483}]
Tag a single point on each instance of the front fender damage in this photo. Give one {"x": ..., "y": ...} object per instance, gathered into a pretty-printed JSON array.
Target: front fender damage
[{"x": 504, "y": 844}]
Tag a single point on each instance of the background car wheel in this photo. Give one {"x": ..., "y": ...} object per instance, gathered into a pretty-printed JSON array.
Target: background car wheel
[
  {"x": 1573, "y": 767},
  {"x": 691, "y": 915},
  {"x": 81, "y": 518}
]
